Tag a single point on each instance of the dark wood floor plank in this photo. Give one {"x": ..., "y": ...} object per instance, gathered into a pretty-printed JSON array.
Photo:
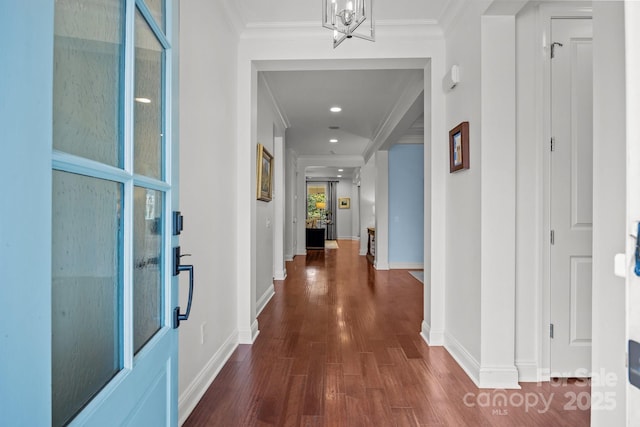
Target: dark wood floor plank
[
  {"x": 314, "y": 389},
  {"x": 339, "y": 345}
]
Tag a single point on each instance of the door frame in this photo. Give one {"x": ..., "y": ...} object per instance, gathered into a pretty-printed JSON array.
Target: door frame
[{"x": 548, "y": 12}]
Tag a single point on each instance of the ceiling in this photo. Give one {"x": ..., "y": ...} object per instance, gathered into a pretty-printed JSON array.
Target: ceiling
[{"x": 367, "y": 97}]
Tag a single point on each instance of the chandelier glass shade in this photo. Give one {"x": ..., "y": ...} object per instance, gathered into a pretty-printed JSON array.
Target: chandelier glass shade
[{"x": 346, "y": 18}]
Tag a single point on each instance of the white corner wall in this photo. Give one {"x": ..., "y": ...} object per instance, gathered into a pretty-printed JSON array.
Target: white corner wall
[
  {"x": 609, "y": 194},
  {"x": 269, "y": 127},
  {"x": 529, "y": 197},
  {"x": 382, "y": 210},
  {"x": 343, "y": 216},
  {"x": 480, "y": 286},
  {"x": 632, "y": 67},
  {"x": 207, "y": 194},
  {"x": 291, "y": 194},
  {"x": 462, "y": 298},
  {"x": 367, "y": 201}
]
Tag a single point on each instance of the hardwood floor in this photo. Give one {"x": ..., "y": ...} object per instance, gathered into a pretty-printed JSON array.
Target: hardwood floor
[{"x": 340, "y": 346}]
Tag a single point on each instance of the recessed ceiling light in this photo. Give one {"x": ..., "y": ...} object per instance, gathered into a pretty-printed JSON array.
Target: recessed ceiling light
[
  {"x": 333, "y": 141},
  {"x": 143, "y": 100},
  {"x": 335, "y": 109},
  {"x": 339, "y": 176},
  {"x": 340, "y": 170}
]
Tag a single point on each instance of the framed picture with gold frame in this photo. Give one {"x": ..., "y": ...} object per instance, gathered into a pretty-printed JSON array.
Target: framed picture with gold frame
[
  {"x": 344, "y": 202},
  {"x": 264, "y": 174}
]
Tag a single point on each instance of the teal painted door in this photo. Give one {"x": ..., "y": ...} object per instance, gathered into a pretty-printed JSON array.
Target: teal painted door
[{"x": 113, "y": 346}]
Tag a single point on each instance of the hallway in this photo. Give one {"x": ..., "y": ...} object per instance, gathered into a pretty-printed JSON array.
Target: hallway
[{"x": 340, "y": 346}]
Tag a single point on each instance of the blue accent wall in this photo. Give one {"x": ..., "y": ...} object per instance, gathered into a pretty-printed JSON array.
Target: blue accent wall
[{"x": 406, "y": 204}]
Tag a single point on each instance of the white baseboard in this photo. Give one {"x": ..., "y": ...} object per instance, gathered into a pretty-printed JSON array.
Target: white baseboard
[
  {"x": 528, "y": 371},
  {"x": 280, "y": 275},
  {"x": 381, "y": 267},
  {"x": 406, "y": 266},
  {"x": 363, "y": 253},
  {"x": 248, "y": 336},
  {"x": 494, "y": 377},
  {"x": 288, "y": 257},
  {"x": 264, "y": 299},
  {"x": 467, "y": 362},
  {"x": 502, "y": 377},
  {"x": 432, "y": 338},
  {"x": 194, "y": 392}
]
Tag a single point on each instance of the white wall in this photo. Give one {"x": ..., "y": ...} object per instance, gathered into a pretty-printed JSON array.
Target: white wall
[
  {"x": 290, "y": 229},
  {"x": 632, "y": 66},
  {"x": 367, "y": 201},
  {"x": 480, "y": 262},
  {"x": 609, "y": 177},
  {"x": 270, "y": 125},
  {"x": 343, "y": 216},
  {"x": 207, "y": 198},
  {"x": 462, "y": 252},
  {"x": 382, "y": 210},
  {"x": 529, "y": 200}
]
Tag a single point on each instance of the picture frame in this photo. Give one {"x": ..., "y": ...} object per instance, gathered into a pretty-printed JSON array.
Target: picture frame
[
  {"x": 264, "y": 174},
  {"x": 459, "y": 148},
  {"x": 344, "y": 202}
]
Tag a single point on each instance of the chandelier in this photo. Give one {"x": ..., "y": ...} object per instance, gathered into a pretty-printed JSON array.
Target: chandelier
[{"x": 344, "y": 17}]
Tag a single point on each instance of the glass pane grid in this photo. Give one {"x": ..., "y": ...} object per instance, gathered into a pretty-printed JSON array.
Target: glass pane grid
[
  {"x": 149, "y": 101},
  {"x": 147, "y": 269},
  {"x": 88, "y": 58}
]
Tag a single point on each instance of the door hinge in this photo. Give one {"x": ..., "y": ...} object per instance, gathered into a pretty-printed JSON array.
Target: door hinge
[
  {"x": 553, "y": 237},
  {"x": 553, "y": 144},
  {"x": 553, "y": 48},
  {"x": 551, "y": 330}
]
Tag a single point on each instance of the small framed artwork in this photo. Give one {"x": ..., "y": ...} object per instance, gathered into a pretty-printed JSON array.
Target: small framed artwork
[
  {"x": 264, "y": 174},
  {"x": 459, "y": 147},
  {"x": 344, "y": 202}
]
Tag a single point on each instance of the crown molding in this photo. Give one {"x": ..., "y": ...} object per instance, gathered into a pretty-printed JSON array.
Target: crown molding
[
  {"x": 280, "y": 112},
  {"x": 405, "y": 103}
]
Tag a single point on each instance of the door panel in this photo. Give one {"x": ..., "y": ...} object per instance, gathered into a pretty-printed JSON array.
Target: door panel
[
  {"x": 115, "y": 348},
  {"x": 571, "y": 197}
]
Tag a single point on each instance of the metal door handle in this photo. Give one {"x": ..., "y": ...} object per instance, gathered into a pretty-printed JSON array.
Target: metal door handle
[{"x": 177, "y": 268}]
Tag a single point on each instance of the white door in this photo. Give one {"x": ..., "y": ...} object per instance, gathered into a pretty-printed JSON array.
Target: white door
[
  {"x": 114, "y": 345},
  {"x": 571, "y": 197}
]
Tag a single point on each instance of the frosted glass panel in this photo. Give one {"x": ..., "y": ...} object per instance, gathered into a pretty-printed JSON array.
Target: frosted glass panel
[
  {"x": 86, "y": 91},
  {"x": 86, "y": 290},
  {"x": 157, "y": 10},
  {"x": 147, "y": 274},
  {"x": 148, "y": 101}
]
